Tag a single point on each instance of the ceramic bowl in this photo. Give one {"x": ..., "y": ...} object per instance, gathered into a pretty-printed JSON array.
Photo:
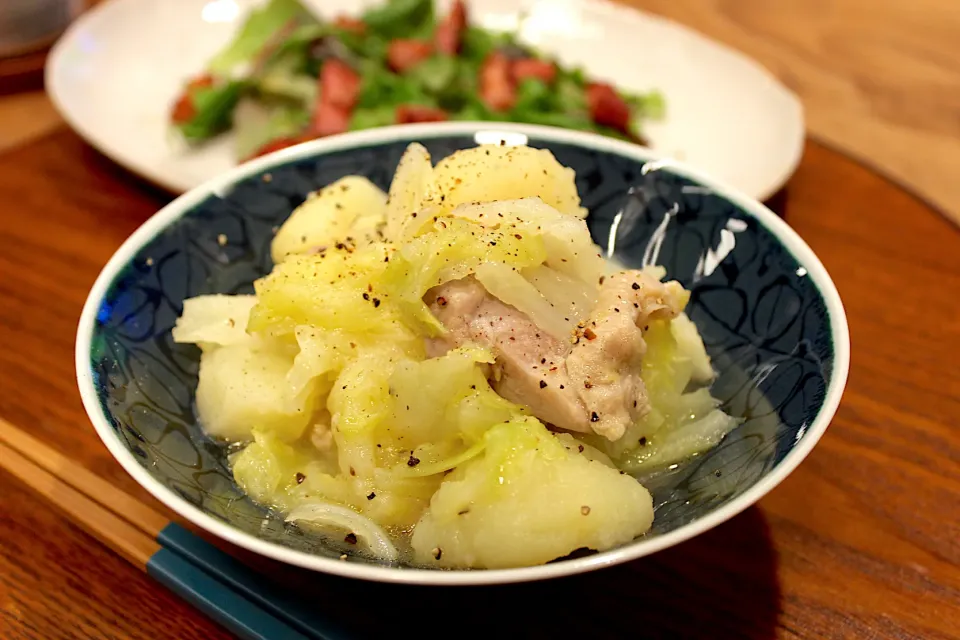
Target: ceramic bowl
[{"x": 769, "y": 314}]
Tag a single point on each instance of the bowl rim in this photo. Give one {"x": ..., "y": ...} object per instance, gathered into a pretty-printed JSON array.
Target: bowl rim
[{"x": 354, "y": 140}]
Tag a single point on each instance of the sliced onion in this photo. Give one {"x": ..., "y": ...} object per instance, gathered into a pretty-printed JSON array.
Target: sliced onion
[
  {"x": 512, "y": 288},
  {"x": 330, "y": 515}
]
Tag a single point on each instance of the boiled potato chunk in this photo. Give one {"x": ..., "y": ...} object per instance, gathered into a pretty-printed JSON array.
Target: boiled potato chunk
[
  {"x": 241, "y": 388},
  {"x": 215, "y": 320},
  {"x": 489, "y": 173},
  {"x": 350, "y": 207},
  {"x": 526, "y": 501}
]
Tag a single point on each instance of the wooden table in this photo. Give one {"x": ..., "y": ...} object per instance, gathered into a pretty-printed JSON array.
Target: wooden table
[{"x": 863, "y": 541}]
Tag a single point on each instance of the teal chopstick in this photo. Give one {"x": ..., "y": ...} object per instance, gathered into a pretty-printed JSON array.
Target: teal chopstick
[{"x": 231, "y": 593}]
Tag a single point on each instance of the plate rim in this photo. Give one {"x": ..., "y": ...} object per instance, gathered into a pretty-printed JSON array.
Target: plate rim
[
  {"x": 789, "y": 239},
  {"x": 144, "y": 169}
]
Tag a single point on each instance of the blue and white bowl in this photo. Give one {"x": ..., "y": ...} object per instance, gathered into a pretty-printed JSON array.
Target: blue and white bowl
[{"x": 768, "y": 312}]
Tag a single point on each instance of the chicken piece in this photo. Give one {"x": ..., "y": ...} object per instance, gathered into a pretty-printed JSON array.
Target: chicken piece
[
  {"x": 449, "y": 34},
  {"x": 529, "y": 369},
  {"x": 604, "y": 364},
  {"x": 592, "y": 385},
  {"x": 406, "y": 54}
]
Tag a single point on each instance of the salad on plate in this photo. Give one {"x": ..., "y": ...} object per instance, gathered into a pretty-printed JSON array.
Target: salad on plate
[{"x": 289, "y": 76}]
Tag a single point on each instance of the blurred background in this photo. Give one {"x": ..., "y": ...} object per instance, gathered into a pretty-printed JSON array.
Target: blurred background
[{"x": 879, "y": 80}]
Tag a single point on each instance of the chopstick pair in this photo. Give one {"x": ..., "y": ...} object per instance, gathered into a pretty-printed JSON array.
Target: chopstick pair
[{"x": 213, "y": 581}]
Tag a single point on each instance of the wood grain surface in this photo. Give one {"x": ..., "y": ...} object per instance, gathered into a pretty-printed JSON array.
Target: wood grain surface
[{"x": 862, "y": 541}]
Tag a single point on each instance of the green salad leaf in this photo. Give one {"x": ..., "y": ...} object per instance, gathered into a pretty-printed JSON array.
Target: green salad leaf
[
  {"x": 283, "y": 49},
  {"x": 257, "y": 31},
  {"x": 401, "y": 19},
  {"x": 258, "y": 121},
  {"x": 214, "y": 110}
]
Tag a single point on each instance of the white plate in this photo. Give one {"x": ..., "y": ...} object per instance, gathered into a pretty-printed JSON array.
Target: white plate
[{"x": 116, "y": 71}]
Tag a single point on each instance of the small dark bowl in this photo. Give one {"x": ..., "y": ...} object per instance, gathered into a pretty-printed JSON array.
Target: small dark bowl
[{"x": 768, "y": 312}]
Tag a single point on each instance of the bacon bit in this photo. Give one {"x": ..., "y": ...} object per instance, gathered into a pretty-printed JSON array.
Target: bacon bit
[
  {"x": 353, "y": 25},
  {"x": 589, "y": 334},
  {"x": 339, "y": 84},
  {"x": 404, "y": 54},
  {"x": 543, "y": 361},
  {"x": 300, "y": 478},
  {"x": 371, "y": 495},
  {"x": 543, "y": 384},
  {"x": 410, "y": 113},
  {"x": 449, "y": 34},
  {"x": 497, "y": 89},
  {"x": 202, "y": 81},
  {"x": 183, "y": 110},
  {"x": 580, "y": 448},
  {"x": 366, "y": 296},
  {"x": 441, "y": 301},
  {"x": 585, "y": 510},
  {"x": 376, "y": 302},
  {"x": 587, "y": 385},
  {"x": 350, "y": 538},
  {"x": 527, "y": 68},
  {"x": 607, "y": 108},
  {"x": 328, "y": 120},
  {"x": 635, "y": 286},
  {"x": 594, "y": 417},
  {"x": 643, "y": 441},
  {"x": 413, "y": 460}
]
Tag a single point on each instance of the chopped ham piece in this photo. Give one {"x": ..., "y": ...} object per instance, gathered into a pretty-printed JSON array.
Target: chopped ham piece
[
  {"x": 497, "y": 88},
  {"x": 524, "y": 68},
  {"x": 449, "y": 34},
  {"x": 408, "y": 113},
  {"x": 329, "y": 119},
  {"x": 184, "y": 109},
  {"x": 607, "y": 108},
  {"x": 353, "y": 25},
  {"x": 406, "y": 54},
  {"x": 339, "y": 84}
]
